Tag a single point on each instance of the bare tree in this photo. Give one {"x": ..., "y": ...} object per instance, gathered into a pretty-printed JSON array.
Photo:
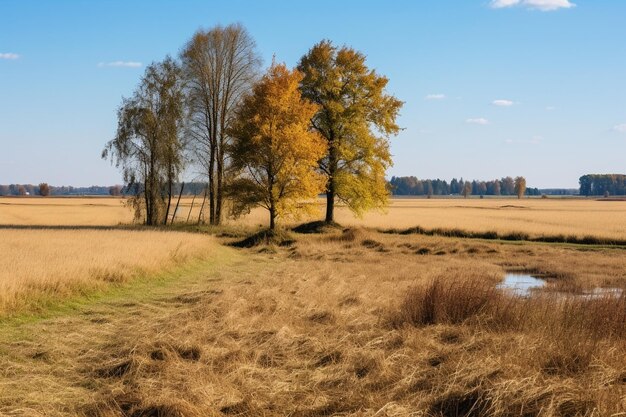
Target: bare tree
[{"x": 219, "y": 66}]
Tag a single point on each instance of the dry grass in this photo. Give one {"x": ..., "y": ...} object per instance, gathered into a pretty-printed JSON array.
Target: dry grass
[
  {"x": 534, "y": 217},
  {"x": 38, "y": 265},
  {"x": 346, "y": 322},
  {"x": 305, "y": 330},
  {"x": 75, "y": 211}
]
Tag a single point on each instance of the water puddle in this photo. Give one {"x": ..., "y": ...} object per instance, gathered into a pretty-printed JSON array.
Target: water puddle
[
  {"x": 524, "y": 284},
  {"x": 520, "y": 284}
]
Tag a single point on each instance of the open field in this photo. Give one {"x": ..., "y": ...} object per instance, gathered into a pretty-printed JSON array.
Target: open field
[
  {"x": 334, "y": 324},
  {"x": 536, "y": 217},
  {"x": 39, "y": 265},
  {"x": 349, "y": 322},
  {"x": 75, "y": 211}
]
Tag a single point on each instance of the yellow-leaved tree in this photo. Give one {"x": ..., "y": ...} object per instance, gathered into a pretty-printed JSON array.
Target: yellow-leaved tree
[
  {"x": 274, "y": 149},
  {"x": 356, "y": 117}
]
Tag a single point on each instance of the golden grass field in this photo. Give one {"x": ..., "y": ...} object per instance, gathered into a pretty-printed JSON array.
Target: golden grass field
[
  {"x": 38, "y": 265},
  {"x": 349, "y": 322},
  {"x": 553, "y": 216}
]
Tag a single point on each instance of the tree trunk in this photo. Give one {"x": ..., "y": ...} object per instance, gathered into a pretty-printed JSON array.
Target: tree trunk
[
  {"x": 330, "y": 202},
  {"x": 202, "y": 206},
  {"x": 330, "y": 188},
  {"x": 212, "y": 188},
  {"x": 220, "y": 186},
  {"x": 146, "y": 199},
  {"x": 178, "y": 202},
  {"x": 272, "y": 215},
  {"x": 169, "y": 202},
  {"x": 191, "y": 209},
  {"x": 272, "y": 219}
]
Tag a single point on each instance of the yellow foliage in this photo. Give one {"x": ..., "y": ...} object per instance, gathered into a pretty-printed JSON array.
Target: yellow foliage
[
  {"x": 274, "y": 149},
  {"x": 356, "y": 116}
]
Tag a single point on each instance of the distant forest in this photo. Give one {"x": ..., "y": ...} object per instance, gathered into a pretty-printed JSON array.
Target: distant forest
[
  {"x": 414, "y": 186},
  {"x": 590, "y": 185},
  {"x": 94, "y": 190},
  {"x": 602, "y": 184}
]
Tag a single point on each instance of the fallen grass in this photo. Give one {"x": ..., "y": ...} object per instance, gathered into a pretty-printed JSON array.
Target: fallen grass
[
  {"x": 569, "y": 336},
  {"x": 307, "y": 330}
]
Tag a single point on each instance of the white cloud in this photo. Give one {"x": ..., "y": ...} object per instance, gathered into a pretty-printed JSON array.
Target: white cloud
[
  {"x": 8, "y": 55},
  {"x": 477, "y": 121},
  {"x": 499, "y": 4},
  {"x": 550, "y": 108},
  {"x": 502, "y": 103},
  {"x": 435, "y": 97},
  {"x": 620, "y": 128},
  {"x": 126, "y": 64},
  {"x": 543, "y": 5}
]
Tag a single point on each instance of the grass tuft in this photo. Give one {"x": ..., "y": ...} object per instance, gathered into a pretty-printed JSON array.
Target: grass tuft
[
  {"x": 317, "y": 227},
  {"x": 268, "y": 237}
]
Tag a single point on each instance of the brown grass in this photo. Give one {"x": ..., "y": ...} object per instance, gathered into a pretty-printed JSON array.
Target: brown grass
[
  {"x": 476, "y": 301},
  {"x": 356, "y": 323}
]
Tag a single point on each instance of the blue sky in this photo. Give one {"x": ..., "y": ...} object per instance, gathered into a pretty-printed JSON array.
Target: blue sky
[{"x": 491, "y": 88}]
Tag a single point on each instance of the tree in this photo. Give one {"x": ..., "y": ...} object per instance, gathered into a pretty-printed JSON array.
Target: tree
[
  {"x": 355, "y": 117},
  {"x": 482, "y": 188},
  {"x": 274, "y": 149},
  {"x": 115, "y": 190},
  {"x": 599, "y": 184},
  {"x": 44, "y": 189},
  {"x": 520, "y": 186},
  {"x": 219, "y": 65},
  {"x": 454, "y": 186},
  {"x": 496, "y": 188},
  {"x": 147, "y": 144},
  {"x": 467, "y": 189},
  {"x": 507, "y": 186}
]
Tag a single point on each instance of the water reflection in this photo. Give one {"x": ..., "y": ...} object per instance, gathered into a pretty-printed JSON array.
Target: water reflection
[{"x": 521, "y": 284}]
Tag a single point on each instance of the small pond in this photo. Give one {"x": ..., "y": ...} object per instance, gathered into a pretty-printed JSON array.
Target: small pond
[
  {"x": 523, "y": 284},
  {"x": 520, "y": 284}
]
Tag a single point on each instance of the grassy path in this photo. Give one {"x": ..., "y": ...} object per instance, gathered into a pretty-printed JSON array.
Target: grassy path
[
  {"x": 304, "y": 331},
  {"x": 46, "y": 357}
]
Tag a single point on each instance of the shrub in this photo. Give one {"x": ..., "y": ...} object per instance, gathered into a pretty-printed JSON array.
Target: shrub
[{"x": 449, "y": 301}]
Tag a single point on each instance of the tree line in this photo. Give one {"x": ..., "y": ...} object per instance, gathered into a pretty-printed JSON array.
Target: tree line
[
  {"x": 602, "y": 184},
  {"x": 42, "y": 189},
  {"x": 275, "y": 138},
  {"x": 504, "y": 186}
]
